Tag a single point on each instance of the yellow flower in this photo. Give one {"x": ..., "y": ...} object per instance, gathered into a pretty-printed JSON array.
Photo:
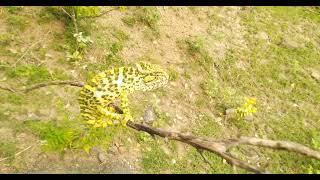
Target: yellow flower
[{"x": 122, "y": 8}]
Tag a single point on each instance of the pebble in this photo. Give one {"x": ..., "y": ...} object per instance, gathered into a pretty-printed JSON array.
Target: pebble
[
  {"x": 315, "y": 75},
  {"x": 121, "y": 150},
  {"x": 263, "y": 36},
  {"x": 101, "y": 157},
  {"x": 149, "y": 115}
]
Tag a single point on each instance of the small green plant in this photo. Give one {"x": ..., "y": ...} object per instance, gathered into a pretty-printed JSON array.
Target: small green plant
[
  {"x": 96, "y": 136},
  {"x": 54, "y": 137},
  {"x": 75, "y": 56},
  {"x": 143, "y": 137},
  {"x": 197, "y": 53},
  {"x": 173, "y": 74},
  {"x": 82, "y": 40},
  {"x": 194, "y": 46}
]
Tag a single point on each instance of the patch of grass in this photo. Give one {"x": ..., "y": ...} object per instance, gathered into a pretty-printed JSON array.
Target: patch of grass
[
  {"x": 17, "y": 23},
  {"x": 59, "y": 74},
  {"x": 206, "y": 126},
  {"x": 162, "y": 118},
  {"x": 16, "y": 99},
  {"x": 5, "y": 39},
  {"x": 46, "y": 15},
  {"x": 198, "y": 55},
  {"x": 129, "y": 20},
  {"x": 148, "y": 16},
  {"x": 194, "y": 46},
  {"x": 120, "y": 35},
  {"x": 143, "y": 137},
  {"x": 116, "y": 47},
  {"x": 8, "y": 149},
  {"x": 14, "y": 9},
  {"x": 155, "y": 160},
  {"x": 35, "y": 74},
  {"x": 56, "y": 137},
  {"x": 3, "y": 115}
]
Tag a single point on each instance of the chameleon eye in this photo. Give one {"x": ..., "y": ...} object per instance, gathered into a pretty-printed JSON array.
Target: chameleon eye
[{"x": 149, "y": 78}]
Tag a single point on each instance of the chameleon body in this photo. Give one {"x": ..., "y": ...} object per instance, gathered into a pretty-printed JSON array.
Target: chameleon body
[{"x": 117, "y": 83}]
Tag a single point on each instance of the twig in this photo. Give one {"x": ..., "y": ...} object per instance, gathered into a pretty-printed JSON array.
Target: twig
[
  {"x": 74, "y": 20},
  {"x": 66, "y": 12},
  {"x": 101, "y": 14},
  {"x": 15, "y": 154},
  {"x": 29, "y": 48},
  {"x": 205, "y": 158},
  {"x": 40, "y": 85},
  {"x": 7, "y": 89},
  {"x": 280, "y": 145}
]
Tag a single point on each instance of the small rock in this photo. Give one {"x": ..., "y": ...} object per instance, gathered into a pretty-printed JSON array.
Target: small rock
[
  {"x": 117, "y": 144},
  {"x": 101, "y": 157},
  {"x": 315, "y": 75},
  {"x": 263, "y": 36},
  {"x": 121, "y": 150},
  {"x": 248, "y": 118},
  {"x": 173, "y": 84},
  {"x": 14, "y": 51},
  {"x": 186, "y": 86},
  {"x": 269, "y": 130},
  {"x": 48, "y": 55},
  {"x": 149, "y": 115},
  {"x": 112, "y": 150},
  {"x": 288, "y": 43},
  {"x": 173, "y": 161},
  {"x": 179, "y": 117},
  {"x": 230, "y": 112}
]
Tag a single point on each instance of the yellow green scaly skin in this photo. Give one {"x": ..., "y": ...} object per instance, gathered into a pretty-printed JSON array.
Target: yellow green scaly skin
[{"x": 114, "y": 84}]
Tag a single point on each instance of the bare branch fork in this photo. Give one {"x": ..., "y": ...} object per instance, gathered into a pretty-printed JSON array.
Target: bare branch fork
[{"x": 219, "y": 147}]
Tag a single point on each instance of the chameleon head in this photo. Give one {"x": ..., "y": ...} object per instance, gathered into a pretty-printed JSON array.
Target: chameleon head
[{"x": 152, "y": 76}]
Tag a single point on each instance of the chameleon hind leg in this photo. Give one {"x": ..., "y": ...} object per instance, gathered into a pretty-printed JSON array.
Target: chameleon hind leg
[{"x": 125, "y": 108}]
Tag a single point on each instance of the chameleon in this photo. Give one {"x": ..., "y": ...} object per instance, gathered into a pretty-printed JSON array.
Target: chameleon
[{"x": 116, "y": 84}]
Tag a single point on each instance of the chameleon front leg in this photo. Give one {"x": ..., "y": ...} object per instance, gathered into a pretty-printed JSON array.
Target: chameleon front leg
[
  {"x": 125, "y": 108},
  {"x": 109, "y": 116}
]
